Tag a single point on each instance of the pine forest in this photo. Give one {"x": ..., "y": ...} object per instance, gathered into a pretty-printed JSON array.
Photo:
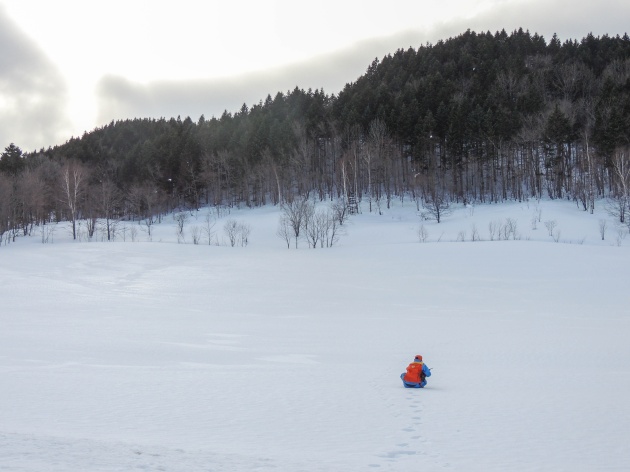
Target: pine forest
[{"x": 481, "y": 118}]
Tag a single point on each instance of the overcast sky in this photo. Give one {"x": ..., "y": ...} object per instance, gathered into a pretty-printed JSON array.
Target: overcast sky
[{"x": 68, "y": 66}]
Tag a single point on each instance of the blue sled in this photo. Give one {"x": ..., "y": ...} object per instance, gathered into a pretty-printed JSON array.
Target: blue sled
[{"x": 412, "y": 384}]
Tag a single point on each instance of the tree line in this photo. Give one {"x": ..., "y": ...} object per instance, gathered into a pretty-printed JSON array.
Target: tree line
[{"x": 481, "y": 117}]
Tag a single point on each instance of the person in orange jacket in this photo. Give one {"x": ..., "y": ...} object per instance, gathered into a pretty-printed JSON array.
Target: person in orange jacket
[{"x": 416, "y": 374}]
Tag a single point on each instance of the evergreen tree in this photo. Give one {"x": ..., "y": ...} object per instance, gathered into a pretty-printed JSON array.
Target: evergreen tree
[{"x": 11, "y": 160}]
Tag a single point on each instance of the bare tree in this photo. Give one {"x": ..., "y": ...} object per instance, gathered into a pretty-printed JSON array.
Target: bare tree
[
  {"x": 47, "y": 233},
  {"x": 323, "y": 228},
  {"x": 193, "y": 182},
  {"x": 195, "y": 232},
  {"x": 474, "y": 233},
  {"x": 148, "y": 223},
  {"x": 143, "y": 200},
  {"x": 274, "y": 168},
  {"x": 331, "y": 230},
  {"x": 181, "y": 219},
  {"x": 493, "y": 228},
  {"x": 586, "y": 185},
  {"x": 90, "y": 212},
  {"x": 244, "y": 230},
  {"x": 437, "y": 204},
  {"x": 571, "y": 78},
  {"x": 507, "y": 83},
  {"x": 91, "y": 222},
  {"x": 134, "y": 200},
  {"x": 109, "y": 201},
  {"x": 284, "y": 230},
  {"x": 208, "y": 229},
  {"x": 618, "y": 71},
  {"x": 511, "y": 228},
  {"x": 423, "y": 234},
  {"x": 297, "y": 214},
  {"x": 373, "y": 152},
  {"x": 231, "y": 230},
  {"x": 619, "y": 202},
  {"x": 29, "y": 200},
  {"x": 237, "y": 232},
  {"x": 73, "y": 176},
  {"x": 340, "y": 211},
  {"x": 550, "y": 225},
  {"x": 603, "y": 224},
  {"x": 5, "y": 205},
  {"x": 314, "y": 229},
  {"x": 301, "y": 157}
]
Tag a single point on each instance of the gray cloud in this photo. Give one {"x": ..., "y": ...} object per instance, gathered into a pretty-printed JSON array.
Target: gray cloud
[
  {"x": 119, "y": 98},
  {"x": 32, "y": 93},
  {"x": 567, "y": 18}
]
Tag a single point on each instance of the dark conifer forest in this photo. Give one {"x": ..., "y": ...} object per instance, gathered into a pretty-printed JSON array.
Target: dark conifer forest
[{"x": 481, "y": 117}]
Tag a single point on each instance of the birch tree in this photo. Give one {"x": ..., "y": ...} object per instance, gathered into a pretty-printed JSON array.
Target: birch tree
[
  {"x": 619, "y": 203},
  {"x": 72, "y": 183}
]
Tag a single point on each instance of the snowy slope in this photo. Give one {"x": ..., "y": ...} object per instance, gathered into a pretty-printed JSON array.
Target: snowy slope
[{"x": 179, "y": 357}]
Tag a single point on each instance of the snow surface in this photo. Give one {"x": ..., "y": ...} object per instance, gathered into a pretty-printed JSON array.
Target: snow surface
[{"x": 133, "y": 356}]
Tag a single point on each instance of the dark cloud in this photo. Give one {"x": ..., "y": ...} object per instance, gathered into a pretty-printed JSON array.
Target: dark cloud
[
  {"x": 119, "y": 98},
  {"x": 32, "y": 93}
]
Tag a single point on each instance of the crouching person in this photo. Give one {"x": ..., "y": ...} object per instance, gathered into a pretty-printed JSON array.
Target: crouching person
[{"x": 416, "y": 374}]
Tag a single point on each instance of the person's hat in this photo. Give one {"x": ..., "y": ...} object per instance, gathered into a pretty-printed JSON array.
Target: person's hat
[{"x": 418, "y": 357}]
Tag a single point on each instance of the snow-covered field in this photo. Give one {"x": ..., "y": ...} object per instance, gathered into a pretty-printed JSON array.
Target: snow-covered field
[{"x": 130, "y": 356}]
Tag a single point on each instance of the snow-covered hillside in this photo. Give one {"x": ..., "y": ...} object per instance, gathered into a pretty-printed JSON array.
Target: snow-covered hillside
[{"x": 156, "y": 355}]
